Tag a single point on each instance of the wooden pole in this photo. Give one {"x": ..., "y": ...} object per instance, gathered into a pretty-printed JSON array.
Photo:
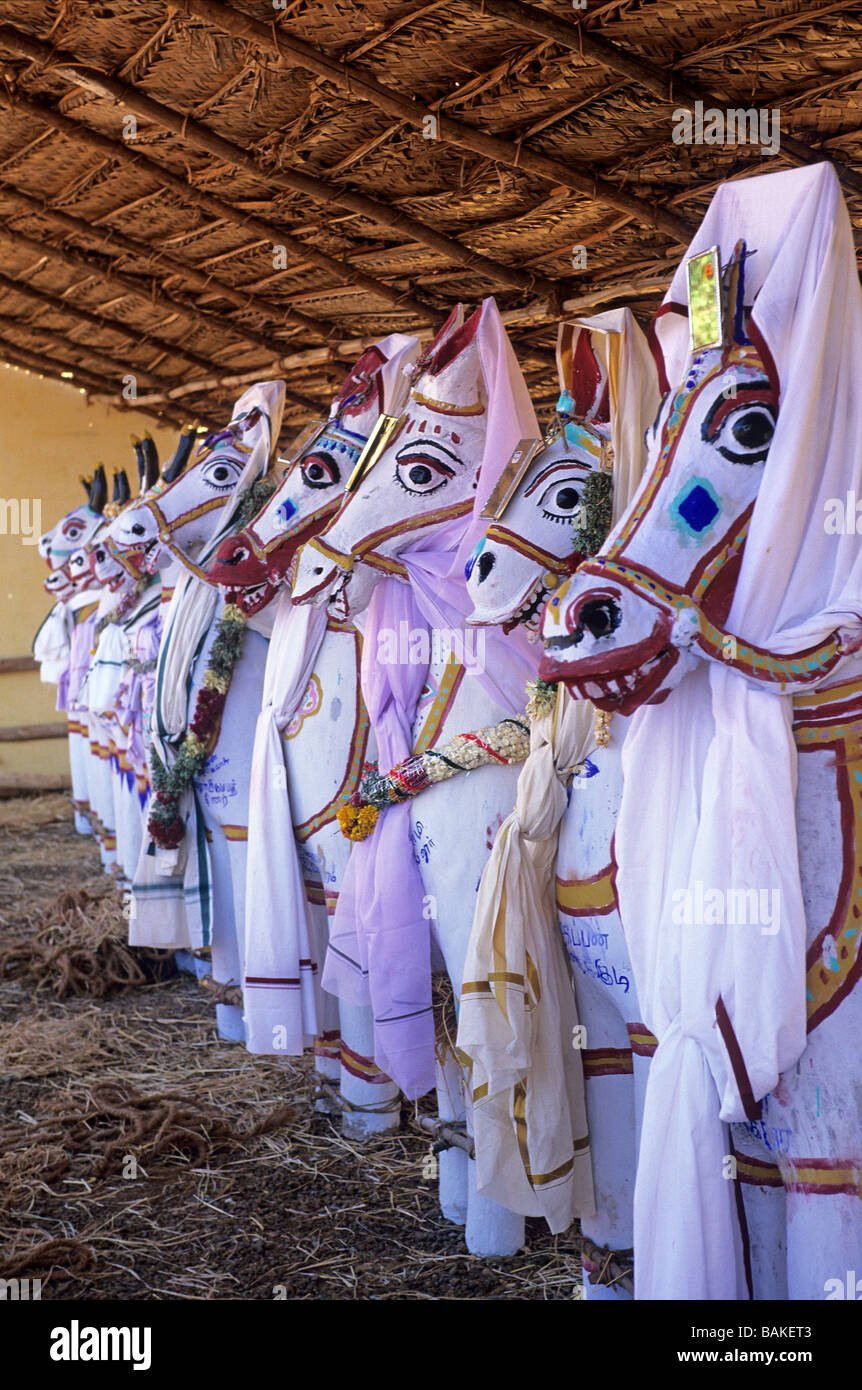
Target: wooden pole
[
  {"x": 114, "y": 242},
  {"x": 102, "y": 322},
  {"x": 244, "y": 300},
  {"x": 349, "y": 350},
  {"x": 357, "y": 82},
  {"x": 57, "y": 343},
  {"x": 30, "y": 733},
  {"x": 124, "y": 153},
  {"x": 660, "y": 82},
  {"x": 18, "y": 357},
  {"x": 32, "y": 362},
  {"x": 18, "y": 663},
  {"x": 200, "y": 136},
  {"x": 140, "y": 288},
  {"x": 173, "y": 349},
  {"x": 28, "y": 784}
]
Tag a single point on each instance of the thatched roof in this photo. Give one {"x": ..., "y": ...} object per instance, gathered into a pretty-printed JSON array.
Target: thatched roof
[{"x": 199, "y": 193}]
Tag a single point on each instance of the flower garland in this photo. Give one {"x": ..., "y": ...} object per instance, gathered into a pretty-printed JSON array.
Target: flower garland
[
  {"x": 165, "y": 824},
  {"x": 126, "y": 604},
  {"x": 251, "y": 501},
  {"x": 541, "y": 697},
  {"x": 595, "y": 513},
  {"x": 507, "y": 742},
  {"x": 139, "y": 667}
]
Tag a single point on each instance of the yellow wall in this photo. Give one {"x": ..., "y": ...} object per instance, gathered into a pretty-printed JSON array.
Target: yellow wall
[{"x": 49, "y": 435}]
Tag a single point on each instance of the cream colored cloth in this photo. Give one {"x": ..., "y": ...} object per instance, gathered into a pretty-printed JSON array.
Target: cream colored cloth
[{"x": 518, "y": 1012}]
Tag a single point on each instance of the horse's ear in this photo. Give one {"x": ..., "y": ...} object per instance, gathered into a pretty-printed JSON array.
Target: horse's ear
[
  {"x": 139, "y": 459},
  {"x": 86, "y": 483},
  {"x": 151, "y": 462},
  {"x": 182, "y": 454},
  {"x": 98, "y": 491},
  {"x": 733, "y": 297},
  {"x": 122, "y": 491}
]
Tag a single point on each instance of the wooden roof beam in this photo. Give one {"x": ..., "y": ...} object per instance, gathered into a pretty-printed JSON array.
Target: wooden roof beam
[
  {"x": 93, "y": 385},
  {"x": 138, "y": 288},
  {"x": 123, "y": 153},
  {"x": 202, "y": 137},
  {"x": 357, "y": 82},
  {"x": 105, "y": 324},
  {"x": 110, "y": 240},
  {"x": 56, "y": 342},
  {"x": 663, "y": 83}
]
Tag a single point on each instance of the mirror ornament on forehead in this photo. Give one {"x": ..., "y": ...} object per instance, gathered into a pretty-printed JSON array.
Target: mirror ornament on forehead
[{"x": 378, "y": 441}]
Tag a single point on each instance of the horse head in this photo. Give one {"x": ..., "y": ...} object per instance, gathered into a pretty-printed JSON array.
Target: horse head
[
  {"x": 419, "y": 474},
  {"x": 78, "y": 525},
  {"x": 261, "y": 557},
  {"x": 175, "y": 519},
  {"x": 631, "y": 622},
  {"x": 108, "y": 571},
  {"x": 529, "y": 545}
]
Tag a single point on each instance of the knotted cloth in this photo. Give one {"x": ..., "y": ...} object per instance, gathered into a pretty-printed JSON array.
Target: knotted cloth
[
  {"x": 712, "y": 770},
  {"x": 518, "y": 1013}
]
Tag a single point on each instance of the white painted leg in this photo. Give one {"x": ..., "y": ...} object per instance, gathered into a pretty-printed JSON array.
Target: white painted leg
[
  {"x": 451, "y": 1163},
  {"x": 491, "y": 1229},
  {"x": 824, "y": 1246},
  {"x": 357, "y": 1065},
  {"x": 327, "y": 1052},
  {"x": 226, "y": 962},
  {"x": 79, "y": 752}
]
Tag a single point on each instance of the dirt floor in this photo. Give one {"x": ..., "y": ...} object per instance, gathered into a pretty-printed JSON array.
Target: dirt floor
[{"x": 127, "y": 1169}]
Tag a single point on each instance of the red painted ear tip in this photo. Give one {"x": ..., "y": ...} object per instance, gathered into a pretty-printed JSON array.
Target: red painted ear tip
[
  {"x": 588, "y": 386},
  {"x": 453, "y": 345}
]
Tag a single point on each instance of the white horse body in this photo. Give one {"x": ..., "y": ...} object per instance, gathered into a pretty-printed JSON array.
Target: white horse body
[
  {"x": 643, "y": 626},
  {"x": 165, "y": 530},
  {"x": 430, "y": 467},
  {"x": 327, "y": 739}
]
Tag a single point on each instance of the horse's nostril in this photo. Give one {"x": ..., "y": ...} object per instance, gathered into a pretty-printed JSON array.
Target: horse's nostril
[
  {"x": 486, "y": 563},
  {"x": 601, "y": 617},
  {"x": 319, "y": 569},
  {"x": 137, "y": 529}
]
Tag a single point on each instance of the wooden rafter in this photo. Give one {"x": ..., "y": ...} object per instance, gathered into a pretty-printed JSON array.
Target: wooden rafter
[
  {"x": 199, "y": 136},
  {"x": 123, "y": 153},
  {"x": 358, "y": 84}
]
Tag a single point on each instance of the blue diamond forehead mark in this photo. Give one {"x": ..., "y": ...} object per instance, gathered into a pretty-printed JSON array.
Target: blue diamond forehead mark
[
  {"x": 285, "y": 510},
  {"x": 695, "y": 507}
]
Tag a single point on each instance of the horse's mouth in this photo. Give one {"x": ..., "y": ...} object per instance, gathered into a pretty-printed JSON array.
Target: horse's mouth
[
  {"x": 255, "y": 597},
  {"x": 529, "y": 614},
  {"x": 339, "y": 600},
  {"x": 144, "y": 552},
  {"x": 621, "y": 692}
]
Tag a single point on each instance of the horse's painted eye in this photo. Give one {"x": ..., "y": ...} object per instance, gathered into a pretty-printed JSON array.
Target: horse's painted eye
[
  {"x": 561, "y": 500},
  {"x": 746, "y": 434},
  {"x": 319, "y": 470},
  {"x": 421, "y": 473},
  {"x": 221, "y": 474}
]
